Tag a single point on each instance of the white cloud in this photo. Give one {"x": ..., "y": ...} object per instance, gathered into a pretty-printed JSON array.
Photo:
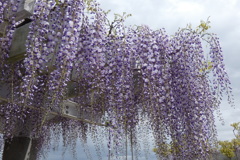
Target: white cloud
[{"x": 184, "y": 7}]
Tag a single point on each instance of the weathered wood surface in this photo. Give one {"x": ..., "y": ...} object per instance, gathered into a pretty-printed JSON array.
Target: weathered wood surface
[
  {"x": 68, "y": 110},
  {"x": 25, "y": 10},
  {"x": 17, "y": 148},
  {"x": 73, "y": 109},
  {"x": 3, "y": 28},
  {"x": 18, "y": 46}
]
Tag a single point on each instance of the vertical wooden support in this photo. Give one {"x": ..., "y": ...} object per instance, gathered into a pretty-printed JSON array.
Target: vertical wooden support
[
  {"x": 25, "y": 10},
  {"x": 17, "y": 148},
  {"x": 138, "y": 80},
  {"x": 20, "y": 148},
  {"x": 3, "y": 28},
  {"x": 4, "y": 91},
  {"x": 18, "y": 48}
]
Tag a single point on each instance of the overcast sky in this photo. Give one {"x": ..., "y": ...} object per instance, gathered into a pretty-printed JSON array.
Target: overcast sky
[{"x": 172, "y": 14}]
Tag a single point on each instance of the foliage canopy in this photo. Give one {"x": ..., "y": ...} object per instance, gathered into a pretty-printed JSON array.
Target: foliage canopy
[{"x": 230, "y": 148}]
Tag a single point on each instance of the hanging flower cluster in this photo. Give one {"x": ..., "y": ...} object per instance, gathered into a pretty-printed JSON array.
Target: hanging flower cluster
[{"x": 119, "y": 76}]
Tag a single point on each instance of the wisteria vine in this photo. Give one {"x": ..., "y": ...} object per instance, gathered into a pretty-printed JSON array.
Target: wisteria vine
[{"x": 120, "y": 76}]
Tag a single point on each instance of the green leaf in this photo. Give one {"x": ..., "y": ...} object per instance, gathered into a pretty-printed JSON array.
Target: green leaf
[{"x": 57, "y": 2}]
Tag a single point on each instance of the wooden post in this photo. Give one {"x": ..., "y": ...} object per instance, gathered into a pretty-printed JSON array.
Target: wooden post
[
  {"x": 3, "y": 28},
  {"x": 20, "y": 146},
  {"x": 25, "y": 10},
  {"x": 18, "y": 48},
  {"x": 17, "y": 148}
]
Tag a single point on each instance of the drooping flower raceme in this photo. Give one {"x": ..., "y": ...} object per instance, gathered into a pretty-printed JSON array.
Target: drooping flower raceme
[{"x": 119, "y": 79}]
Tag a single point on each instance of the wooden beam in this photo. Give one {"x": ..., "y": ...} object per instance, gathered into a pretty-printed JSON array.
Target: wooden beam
[
  {"x": 73, "y": 109},
  {"x": 25, "y": 10},
  {"x": 62, "y": 113}
]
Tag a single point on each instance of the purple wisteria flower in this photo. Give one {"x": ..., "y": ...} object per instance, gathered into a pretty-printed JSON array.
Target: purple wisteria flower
[{"x": 123, "y": 80}]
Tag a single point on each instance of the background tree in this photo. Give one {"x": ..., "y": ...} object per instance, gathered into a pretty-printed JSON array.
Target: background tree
[{"x": 232, "y": 148}]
